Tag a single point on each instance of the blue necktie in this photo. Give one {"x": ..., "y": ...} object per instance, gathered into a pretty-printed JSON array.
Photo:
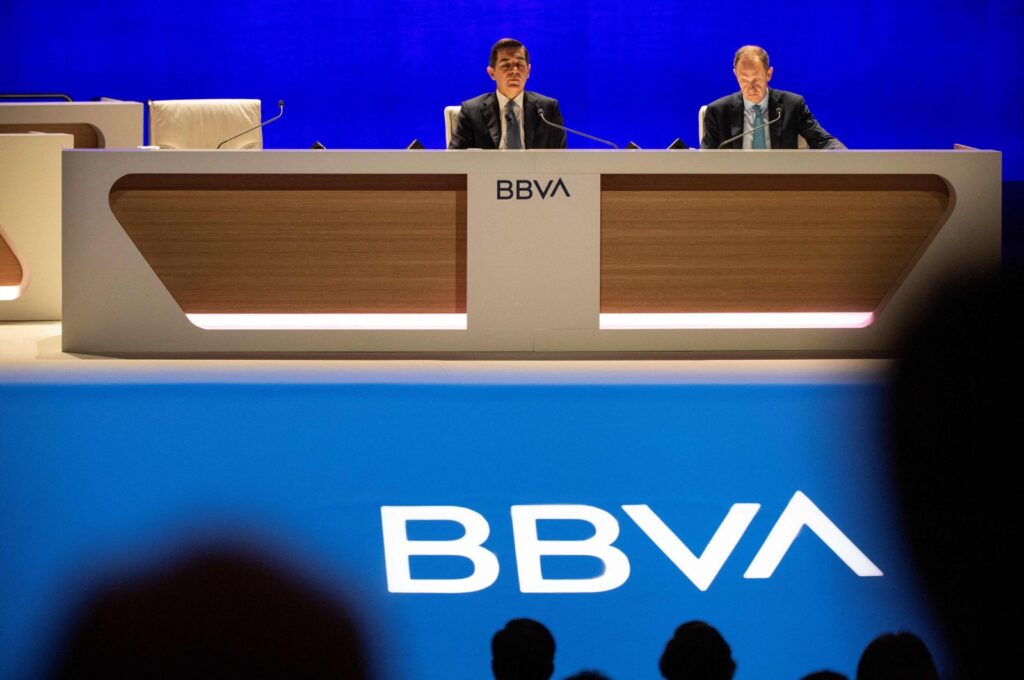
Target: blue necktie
[
  {"x": 759, "y": 134},
  {"x": 514, "y": 137}
]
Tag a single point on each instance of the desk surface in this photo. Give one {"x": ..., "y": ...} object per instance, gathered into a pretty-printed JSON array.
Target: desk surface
[{"x": 30, "y": 353}]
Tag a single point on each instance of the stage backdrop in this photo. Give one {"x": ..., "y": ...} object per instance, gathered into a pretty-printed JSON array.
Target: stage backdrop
[
  {"x": 877, "y": 74},
  {"x": 786, "y": 480}
]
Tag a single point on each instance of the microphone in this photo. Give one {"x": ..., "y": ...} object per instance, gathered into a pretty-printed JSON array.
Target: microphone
[
  {"x": 778, "y": 115},
  {"x": 280, "y": 103},
  {"x": 540, "y": 112}
]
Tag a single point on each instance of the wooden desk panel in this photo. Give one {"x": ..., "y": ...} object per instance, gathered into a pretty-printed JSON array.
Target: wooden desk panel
[
  {"x": 762, "y": 243},
  {"x": 10, "y": 268},
  {"x": 301, "y": 243}
]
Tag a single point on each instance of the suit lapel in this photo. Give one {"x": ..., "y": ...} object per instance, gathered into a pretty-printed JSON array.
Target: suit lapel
[
  {"x": 491, "y": 119},
  {"x": 736, "y": 121},
  {"x": 529, "y": 118},
  {"x": 774, "y": 100}
]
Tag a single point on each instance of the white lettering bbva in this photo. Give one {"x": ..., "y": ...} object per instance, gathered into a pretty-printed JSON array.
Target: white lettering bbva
[
  {"x": 525, "y": 189},
  {"x": 701, "y": 571}
]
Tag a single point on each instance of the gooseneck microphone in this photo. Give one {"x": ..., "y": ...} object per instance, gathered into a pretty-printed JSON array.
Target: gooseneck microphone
[
  {"x": 280, "y": 113},
  {"x": 778, "y": 115},
  {"x": 540, "y": 112}
]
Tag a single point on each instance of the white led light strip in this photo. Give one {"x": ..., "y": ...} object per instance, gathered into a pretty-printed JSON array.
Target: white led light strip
[
  {"x": 458, "y": 322},
  {"x": 723, "y": 321},
  {"x": 330, "y": 322}
]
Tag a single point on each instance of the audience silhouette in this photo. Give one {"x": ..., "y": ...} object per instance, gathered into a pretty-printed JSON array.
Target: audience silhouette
[
  {"x": 896, "y": 656},
  {"x": 697, "y": 652},
  {"x": 523, "y": 650},
  {"x": 588, "y": 675},
  {"x": 952, "y": 429},
  {"x": 213, "y": 614}
]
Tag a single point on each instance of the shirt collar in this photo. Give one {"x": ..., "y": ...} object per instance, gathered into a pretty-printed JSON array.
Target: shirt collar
[
  {"x": 503, "y": 100},
  {"x": 748, "y": 105}
]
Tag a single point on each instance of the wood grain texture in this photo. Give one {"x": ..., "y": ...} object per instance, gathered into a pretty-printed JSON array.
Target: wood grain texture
[
  {"x": 86, "y": 136},
  {"x": 301, "y": 243},
  {"x": 762, "y": 243},
  {"x": 10, "y": 268}
]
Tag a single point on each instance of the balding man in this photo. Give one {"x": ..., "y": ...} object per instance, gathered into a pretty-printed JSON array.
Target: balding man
[{"x": 756, "y": 104}]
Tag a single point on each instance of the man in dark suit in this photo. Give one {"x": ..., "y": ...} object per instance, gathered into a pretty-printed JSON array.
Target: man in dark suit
[
  {"x": 508, "y": 118},
  {"x": 756, "y": 104}
]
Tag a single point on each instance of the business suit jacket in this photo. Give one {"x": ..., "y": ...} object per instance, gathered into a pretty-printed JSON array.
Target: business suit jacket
[
  {"x": 724, "y": 119},
  {"x": 479, "y": 124}
]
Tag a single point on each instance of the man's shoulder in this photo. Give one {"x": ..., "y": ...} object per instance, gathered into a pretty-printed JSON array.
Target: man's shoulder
[
  {"x": 725, "y": 102},
  {"x": 479, "y": 101},
  {"x": 541, "y": 99},
  {"x": 787, "y": 98}
]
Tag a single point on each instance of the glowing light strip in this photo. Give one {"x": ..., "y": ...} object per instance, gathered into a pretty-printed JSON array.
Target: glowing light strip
[
  {"x": 720, "y": 321},
  {"x": 330, "y": 322},
  {"x": 10, "y": 292}
]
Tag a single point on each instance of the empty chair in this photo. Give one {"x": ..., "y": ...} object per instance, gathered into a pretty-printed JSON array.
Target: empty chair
[
  {"x": 451, "y": 118},
  {"x": 204, "y": 123}
]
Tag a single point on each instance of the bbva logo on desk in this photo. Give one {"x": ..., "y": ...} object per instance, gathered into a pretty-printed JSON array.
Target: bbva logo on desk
[
  {"x": 527, "y": 189},
  {"x": 800, "y": 512}
]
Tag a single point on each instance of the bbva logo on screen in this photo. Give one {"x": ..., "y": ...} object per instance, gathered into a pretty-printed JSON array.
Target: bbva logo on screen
[
  {"x": 526, "y": 189},
  {"x": 800, "y": 512}
]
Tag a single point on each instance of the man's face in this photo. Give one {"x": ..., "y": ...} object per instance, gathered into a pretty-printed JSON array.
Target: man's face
[
  {"x": 753, "y": 79},
  {"x": 510, "y": 71}
]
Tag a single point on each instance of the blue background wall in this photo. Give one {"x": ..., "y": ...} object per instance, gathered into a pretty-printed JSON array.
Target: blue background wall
[
  {"x": 878, "y": 74},
  {"x": 99, "y": 477}
]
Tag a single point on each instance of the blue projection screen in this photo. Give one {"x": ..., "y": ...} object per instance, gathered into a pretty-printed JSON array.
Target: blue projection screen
[
  {"x": 100, "y": 478},
  {"x": 877, "y": 74}
]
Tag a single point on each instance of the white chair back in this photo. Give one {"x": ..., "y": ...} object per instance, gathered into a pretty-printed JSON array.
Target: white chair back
[
  {"x": 451, "y": 118},
  {"x": 204, "y": 123}
]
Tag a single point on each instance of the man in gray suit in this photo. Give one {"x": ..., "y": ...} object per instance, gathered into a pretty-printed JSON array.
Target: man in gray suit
[
  {"x": 756, "y": 104},
  {"x": 508, "y": 118}
]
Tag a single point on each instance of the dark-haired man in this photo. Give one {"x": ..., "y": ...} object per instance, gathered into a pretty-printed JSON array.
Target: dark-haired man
[
  {"x": 509, "y": 117},
  {"x": 756, "y": 104}
]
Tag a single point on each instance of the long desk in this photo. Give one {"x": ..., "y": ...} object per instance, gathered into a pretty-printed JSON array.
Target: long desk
[{"x": 172, "y": 253}]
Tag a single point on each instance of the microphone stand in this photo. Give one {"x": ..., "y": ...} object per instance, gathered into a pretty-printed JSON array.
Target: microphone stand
[
  {"x": 540, "y": 112},
  {"x": 778, "y": 115},
  {"x": 266, "y": 122}
]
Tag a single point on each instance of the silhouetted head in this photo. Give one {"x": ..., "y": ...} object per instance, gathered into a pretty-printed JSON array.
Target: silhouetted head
[
  {"x": 215, "y": 614},
  {"x": 824, "y": 675},
  {"x": 697, "y": 652},
  {"x": 896, "y": 656},
  {"x": 523, "y": 650},
  {"x": 588, "y": 675},
  {"x": 953, "y": 431}
]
